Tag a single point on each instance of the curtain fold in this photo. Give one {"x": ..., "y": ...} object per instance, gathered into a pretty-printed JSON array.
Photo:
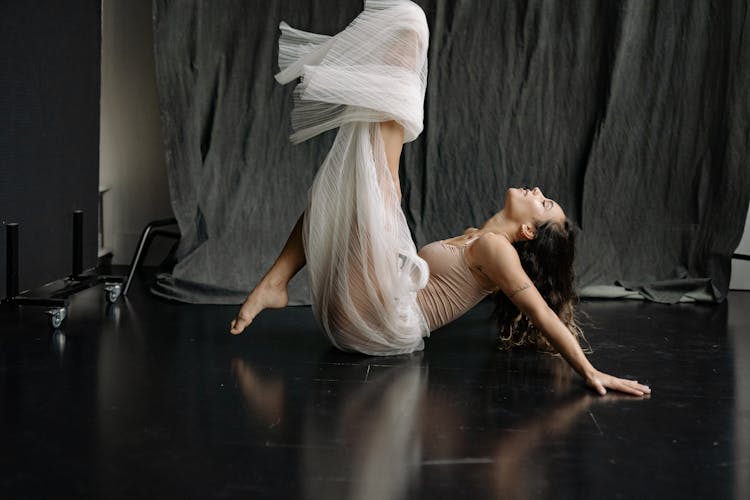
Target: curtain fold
[{"x": 634, "y": 115}]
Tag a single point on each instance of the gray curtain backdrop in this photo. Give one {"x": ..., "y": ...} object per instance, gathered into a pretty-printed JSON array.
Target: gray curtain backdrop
[{"x": 634, "y": 115}]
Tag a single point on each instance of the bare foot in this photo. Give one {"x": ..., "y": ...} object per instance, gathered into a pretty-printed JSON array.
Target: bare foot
[{"x": 264, "y": 296}]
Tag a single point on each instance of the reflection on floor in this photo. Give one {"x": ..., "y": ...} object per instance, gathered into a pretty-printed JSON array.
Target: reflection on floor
[{"x": 155, "y": 399}]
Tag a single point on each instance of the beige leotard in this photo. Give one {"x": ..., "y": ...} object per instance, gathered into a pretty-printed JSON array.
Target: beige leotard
[{"x": 452, "y": 288}]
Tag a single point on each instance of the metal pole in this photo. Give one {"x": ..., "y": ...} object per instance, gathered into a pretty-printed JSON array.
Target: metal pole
[
  {"x": 11, "y": 260},
  {"x": 77, "y": 242}
]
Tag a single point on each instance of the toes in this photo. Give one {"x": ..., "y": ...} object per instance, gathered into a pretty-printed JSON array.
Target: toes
[
  {"x": 233, "y": 327},
  {"x": 238, "y": 325}
]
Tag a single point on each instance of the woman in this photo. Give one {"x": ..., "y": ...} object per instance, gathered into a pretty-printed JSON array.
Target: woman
[{"x": 372, "y": 292}]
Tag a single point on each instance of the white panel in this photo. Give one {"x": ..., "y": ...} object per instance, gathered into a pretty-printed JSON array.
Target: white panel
[
  {"x": 131, "y": 147},
  {"x": 741, "y": 268}
]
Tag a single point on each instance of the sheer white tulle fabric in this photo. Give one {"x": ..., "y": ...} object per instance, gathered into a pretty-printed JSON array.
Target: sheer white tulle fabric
[{"x": 363, "y": 266}]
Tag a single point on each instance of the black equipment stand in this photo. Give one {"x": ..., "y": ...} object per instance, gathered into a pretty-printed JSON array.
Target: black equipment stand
[{"x": 77, "y": 281}]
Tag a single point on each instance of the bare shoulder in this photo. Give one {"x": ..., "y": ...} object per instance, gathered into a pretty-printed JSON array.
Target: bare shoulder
[
  {"x": 492, "y": 248},
  {"x": 499, "y": 261},
  {"x": 496, "y": 257}
]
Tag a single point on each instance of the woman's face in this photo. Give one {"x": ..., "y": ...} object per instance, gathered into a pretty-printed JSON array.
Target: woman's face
[{"x": 525, "y": 206}]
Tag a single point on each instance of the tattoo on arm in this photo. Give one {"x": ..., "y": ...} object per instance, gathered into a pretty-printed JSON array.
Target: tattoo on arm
[{"x": 519, "y": 289}]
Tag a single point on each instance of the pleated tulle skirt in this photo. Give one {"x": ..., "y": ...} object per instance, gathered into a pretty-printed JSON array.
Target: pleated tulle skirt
[{"x": 363, "y": 266}]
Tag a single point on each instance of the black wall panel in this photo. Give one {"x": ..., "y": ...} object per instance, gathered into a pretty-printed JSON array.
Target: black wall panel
[{"x": 49, "y": 132}]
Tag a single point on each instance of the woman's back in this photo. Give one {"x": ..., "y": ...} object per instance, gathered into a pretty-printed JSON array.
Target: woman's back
[{"x": 453, "y": 287}]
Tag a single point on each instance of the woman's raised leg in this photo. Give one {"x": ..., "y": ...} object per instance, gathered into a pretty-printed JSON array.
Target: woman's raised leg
[
  {"x": 271, "y": 291},
  {"x": 393, "y": 139}
]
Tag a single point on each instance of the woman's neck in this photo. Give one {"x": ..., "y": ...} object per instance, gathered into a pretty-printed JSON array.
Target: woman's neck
[{"x": 499, "y": 224}]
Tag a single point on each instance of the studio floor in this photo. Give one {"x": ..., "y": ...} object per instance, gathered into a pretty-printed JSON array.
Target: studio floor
[{"x": 147, "y": 398}]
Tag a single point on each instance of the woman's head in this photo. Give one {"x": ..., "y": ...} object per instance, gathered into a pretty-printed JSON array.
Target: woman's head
[
  {"x": 528, "y": 208},
  {"x": 547, "y": 257}
]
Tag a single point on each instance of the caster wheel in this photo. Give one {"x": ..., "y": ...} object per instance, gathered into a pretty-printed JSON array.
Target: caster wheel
[
  {"x": 112, "y": 292},
  {"x": 57, "y": 316}
]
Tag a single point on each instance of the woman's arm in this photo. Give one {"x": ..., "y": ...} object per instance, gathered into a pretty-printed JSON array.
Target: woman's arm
[{"x": 497, "y": 258}]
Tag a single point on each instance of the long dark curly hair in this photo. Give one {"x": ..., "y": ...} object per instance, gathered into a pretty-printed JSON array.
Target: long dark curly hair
[{"x": 548, "y": 260}]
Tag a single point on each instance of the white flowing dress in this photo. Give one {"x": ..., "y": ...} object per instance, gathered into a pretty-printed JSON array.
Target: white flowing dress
[{"x": 363, "y": 266}]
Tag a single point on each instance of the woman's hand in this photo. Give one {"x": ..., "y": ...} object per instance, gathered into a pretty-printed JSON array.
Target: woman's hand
[{"x": 601, "y": 381}]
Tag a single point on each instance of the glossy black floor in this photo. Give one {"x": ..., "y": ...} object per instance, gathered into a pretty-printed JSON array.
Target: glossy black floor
[{"x": 154, "y": 399}]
